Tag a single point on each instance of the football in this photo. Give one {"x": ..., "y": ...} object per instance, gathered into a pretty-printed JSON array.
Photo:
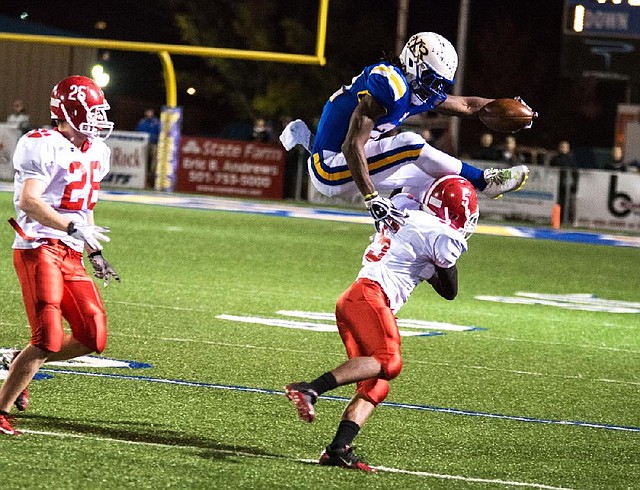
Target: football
[{"x": 506, "y": 115}]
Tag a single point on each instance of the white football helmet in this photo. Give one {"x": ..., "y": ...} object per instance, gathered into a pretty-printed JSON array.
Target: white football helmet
[{"x": 430, "y": 62}]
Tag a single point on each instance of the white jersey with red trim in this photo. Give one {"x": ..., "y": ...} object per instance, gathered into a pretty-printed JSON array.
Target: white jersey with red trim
[
  {"x": 72, "y": 177},
  {"x": 399, "y": 261}
]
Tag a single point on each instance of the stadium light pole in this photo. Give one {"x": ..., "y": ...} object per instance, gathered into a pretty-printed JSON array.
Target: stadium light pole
[
  {"x": 461, "y": 41},
  {"x": 401, "y": 25}
]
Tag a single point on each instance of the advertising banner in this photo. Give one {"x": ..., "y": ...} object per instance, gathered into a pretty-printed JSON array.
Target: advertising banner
[
  {"x": 231, "y": 168},
  {"x": 129, "y": 150},
  {"x": 609, "y": 200},
  {"x": 534, "y": 202},
  {"x": 168, "y": 144},
  {"x": 9, "y": 137}
]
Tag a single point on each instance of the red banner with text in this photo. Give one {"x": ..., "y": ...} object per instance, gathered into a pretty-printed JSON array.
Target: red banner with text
[{"x": 231, "y": 168}]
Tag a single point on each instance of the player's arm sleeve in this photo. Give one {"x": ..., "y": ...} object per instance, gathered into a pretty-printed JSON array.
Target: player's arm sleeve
[
  {"x": 446, "y": 251},
  {"x": 462, "y": 106},
  {"x": 445, "y": 282},
  {"x": 105, "y": 166},
  {"x": 362, "y": 122},
  {"x": 33, "y": 161}
]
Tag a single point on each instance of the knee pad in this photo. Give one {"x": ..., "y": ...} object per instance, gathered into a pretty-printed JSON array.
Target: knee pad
[{"x": 374, "y": 390}]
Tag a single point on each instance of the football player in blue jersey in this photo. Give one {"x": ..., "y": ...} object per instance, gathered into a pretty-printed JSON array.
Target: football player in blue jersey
[{"x": 348, "y": 155}]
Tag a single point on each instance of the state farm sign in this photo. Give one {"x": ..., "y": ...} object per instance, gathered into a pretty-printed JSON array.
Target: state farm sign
[{"x": 231, "y": 168}]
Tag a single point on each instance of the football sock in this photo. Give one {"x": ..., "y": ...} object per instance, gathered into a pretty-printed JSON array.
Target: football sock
[
  {"x": 473, "y": 175},
  {"x": 326, "y": 382},
  {"x": 346, "y": 433}
]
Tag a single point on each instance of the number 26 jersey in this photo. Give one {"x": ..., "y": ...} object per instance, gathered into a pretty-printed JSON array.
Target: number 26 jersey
[{"x": 72, "y": 177}]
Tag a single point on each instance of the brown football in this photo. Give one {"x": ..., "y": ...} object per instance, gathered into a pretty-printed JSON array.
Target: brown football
[{"x": 506, "y": 115}]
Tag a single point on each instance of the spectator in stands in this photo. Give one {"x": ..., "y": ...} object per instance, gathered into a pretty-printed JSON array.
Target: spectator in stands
[
  {"x": 616, "y": 163},
  {"x": 511, "y": 154},
  {"x": 564, "y": 156},
  {"x": 486, "y": 150},
  {"x": 150, "y": 124},
  {"x": 262, "y": 131},
  {"x": 19, "y": 118}
]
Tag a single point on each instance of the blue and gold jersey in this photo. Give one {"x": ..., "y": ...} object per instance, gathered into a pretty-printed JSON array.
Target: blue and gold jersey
[{"x": 384, "y": 82}]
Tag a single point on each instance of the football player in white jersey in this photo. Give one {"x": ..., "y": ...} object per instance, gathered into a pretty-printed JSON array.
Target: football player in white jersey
[
  {"x": 349, "y": 157},
  {"x": 425, "y": 248},
  {"x": 57, "y": 182}
]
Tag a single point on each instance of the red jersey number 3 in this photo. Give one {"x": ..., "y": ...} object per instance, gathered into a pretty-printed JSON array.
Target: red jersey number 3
[{"x": 77, "y": 194}]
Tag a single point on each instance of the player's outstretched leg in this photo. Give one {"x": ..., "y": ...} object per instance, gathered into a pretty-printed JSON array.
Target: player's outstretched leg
[
  {"x": 343, "y": 457},
  {"x": 304, "y": 398},
  {"x": 502, "y": 180},
  {"x": 22, "y": 402}
]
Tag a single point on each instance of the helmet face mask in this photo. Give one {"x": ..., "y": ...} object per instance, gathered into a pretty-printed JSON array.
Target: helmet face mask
[
  {"x": 80, "y": 102},
  {"x": 430, "y": 89},
  {"x": 454, "y": 200},
  {"x": 430, "y": 62}
]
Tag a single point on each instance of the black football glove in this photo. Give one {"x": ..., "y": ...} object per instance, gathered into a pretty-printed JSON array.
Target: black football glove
[
  {"x": 102, "y": 269},
  {"x": 384, "y": 212}
]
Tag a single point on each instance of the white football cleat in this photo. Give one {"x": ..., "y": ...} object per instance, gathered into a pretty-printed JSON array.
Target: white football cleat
[{"x": 502, "y": 180}]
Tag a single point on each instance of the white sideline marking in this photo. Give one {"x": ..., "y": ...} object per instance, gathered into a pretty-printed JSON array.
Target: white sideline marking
[{"x": 296, "y": 460}]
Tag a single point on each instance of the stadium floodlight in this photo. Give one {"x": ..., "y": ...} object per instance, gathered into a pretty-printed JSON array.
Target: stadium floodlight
[{"x": 100, "y": 76}]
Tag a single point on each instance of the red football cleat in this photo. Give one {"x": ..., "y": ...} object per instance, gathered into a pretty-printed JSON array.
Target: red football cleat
[
  {"x": 304, "y": 397},
  {"x": 5, "y": 426}
]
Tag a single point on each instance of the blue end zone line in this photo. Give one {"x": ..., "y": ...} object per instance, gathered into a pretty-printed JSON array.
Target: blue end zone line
[{"x": 409, "y": 406}]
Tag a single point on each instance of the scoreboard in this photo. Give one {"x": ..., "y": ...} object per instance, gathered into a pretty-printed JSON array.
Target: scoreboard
[
  {"x": 607, "y": 18},
  {"x": 601, "y": 38}
]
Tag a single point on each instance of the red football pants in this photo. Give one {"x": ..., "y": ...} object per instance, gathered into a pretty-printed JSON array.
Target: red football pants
[
  {"x": 368, "y": 328},
  {"x": 55, "y": 285}
]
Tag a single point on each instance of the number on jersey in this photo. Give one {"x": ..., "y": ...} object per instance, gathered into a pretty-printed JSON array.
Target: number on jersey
[{"x": 77, "y": 194}]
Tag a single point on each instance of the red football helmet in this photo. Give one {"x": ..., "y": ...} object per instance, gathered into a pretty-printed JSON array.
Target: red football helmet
[
  {"x": 79, "y": 101},
  {"x": 453, "y": 199}
]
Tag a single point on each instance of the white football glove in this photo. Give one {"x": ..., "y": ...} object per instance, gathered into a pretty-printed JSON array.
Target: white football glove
[
  {"x": 384, "y": 212},
  {"x": 92, "y": 235},
  {"x": 535, "y": 114},
  {"x": 102, "y": 269}
]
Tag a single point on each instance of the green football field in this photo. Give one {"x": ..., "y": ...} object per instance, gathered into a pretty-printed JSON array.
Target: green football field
[{"x": 217, "y": 311}]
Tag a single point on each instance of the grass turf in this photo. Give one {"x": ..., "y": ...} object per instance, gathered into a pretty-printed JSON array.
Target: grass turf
[{"x": 181, "y": 268}]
